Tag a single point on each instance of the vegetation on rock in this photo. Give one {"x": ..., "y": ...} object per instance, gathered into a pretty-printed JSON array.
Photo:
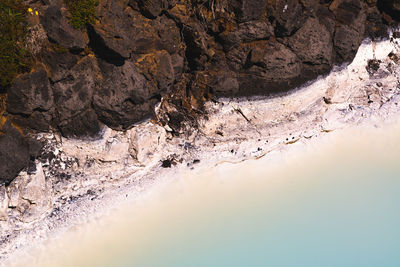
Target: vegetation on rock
[
  {"x": 83, "y": 12},
  {"x": 14, "y": 57}
]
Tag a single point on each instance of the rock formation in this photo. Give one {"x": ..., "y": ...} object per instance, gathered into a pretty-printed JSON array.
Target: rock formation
[{"x": 139, "y": 53}]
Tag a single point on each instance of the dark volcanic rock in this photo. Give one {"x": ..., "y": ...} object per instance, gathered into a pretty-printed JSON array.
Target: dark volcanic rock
[
  {"x": 267, "y": 68},
  {"x": 73, "y": 99},
  {"x": 59, "y": 63},
  {"x": 30, "y": 99},
  {"x": 60, "y": 31},
  {"x": 73, "y": 95},
  {"x": 391, "y": 7},
  {"x": 186, "y": 52},
  {"x": 288, "y": 16},
  {"x": 30, "y": 92},
  {"x": 153, "y": 8},
  {"x": 246, "y": 32},
  {"x": 312, "y": 43},
  {"x": 247, "y": 10},
  {"x": 124, "y": 31},
  {"x": 85, "y": 124},
  {"x": 14, "y": 152},
  {"x": 350, "y": 28},
  {"x": 125, "y": 96}
]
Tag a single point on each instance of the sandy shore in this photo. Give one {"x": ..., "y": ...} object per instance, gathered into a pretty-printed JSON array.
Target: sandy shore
[{"x": 94, "y": 178}]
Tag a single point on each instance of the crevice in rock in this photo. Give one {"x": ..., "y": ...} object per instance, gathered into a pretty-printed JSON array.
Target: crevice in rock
[
  {"x": 386, "y": 6},
  {"x": 101, "y": 50}
]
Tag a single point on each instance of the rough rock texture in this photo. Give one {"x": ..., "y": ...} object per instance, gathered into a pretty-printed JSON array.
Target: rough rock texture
[
  {"x": 14, "y": 152},
  {"x": 86, "y": 179},
  {"x": 180, "y": 54},
  {"x": 60, "y": 31}
]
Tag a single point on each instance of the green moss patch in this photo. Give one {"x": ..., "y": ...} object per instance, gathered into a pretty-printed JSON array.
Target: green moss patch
[
  {"x": 14, "y": 57},
  {"x": 83, "y": 12}
]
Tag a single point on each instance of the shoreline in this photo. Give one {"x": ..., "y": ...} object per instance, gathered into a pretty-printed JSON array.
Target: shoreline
[{"x": 125, "y": 167}]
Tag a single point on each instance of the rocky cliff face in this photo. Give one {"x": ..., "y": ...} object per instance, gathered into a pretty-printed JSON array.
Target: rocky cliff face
[{"x": 135, "y": 54}]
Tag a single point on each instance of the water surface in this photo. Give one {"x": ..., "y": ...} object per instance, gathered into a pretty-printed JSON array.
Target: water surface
[{"x": 334, "y": 202}]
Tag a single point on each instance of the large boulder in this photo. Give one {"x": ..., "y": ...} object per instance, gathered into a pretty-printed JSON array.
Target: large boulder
[
  {"x": 122, "y": 31},
  {"x": 14, "y": 151},
  {"x": 312, "y": 44},
  {"x": 350, "y": 27},
  {"x": 73, "y": 94},
  {"x": 391, "y": 7},
  {"x": 59, "y": 63},
  {"x": 30, "y": 92},
  {"x": 288, "y": 15},
  {"x": 269, "y": 69},
  {"x": 246, "y": 32},
  {"x": 60, "y": 31},
  {"x": 124, "y": 97},
  {"x": 247, "y": 10},
  {"x": 158, "y": 69},
  {"x": 31, "y": 100},
  {"x": 73, "y": 100},
  {"x": 153, "y": 8}
]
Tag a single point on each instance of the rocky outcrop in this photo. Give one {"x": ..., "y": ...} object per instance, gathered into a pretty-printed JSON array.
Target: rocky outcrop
[
  {"x": 60, "y": 31},
  {"x": 182, "y": 54},
  {"x": 14, "y": 152}
]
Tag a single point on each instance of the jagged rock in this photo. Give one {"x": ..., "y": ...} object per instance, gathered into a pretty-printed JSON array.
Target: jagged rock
[
  {"x": 247, "y": 10},
  {"x": 14, "y": 152},
  {"x": 268, "y": 69},
  {"x": 29, "y": 195},
  {"x": 149, "y": 49},
  {"x": 73, "y": 95},
  {"x": 158, "y": 70},
  {"x": 288, "y": 15},
  {"x": 59, "y": 64},
  {"x": 30, "y": 92},
  {"x": 153, "y": 8},
  {"x": 124, "y": 97},
  {"x": 31, "y": 99},
  {"x": 350, "y": 28},
  {"x": 123, "y": 31},
  {"x": 60, "y": 31},
  {"x": 311, "y": 43},
  {"x": 246, "y": 32},
  {"x": 169, "y": 34},
  {"x": 85, "y": 124}
]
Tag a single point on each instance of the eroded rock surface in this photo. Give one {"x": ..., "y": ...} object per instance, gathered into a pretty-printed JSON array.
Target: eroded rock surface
[{"x": 14, "y": 152}]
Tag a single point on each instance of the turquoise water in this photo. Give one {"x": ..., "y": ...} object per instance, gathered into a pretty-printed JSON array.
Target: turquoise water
[
  {"x": 343, "y": 212},
  {"x": 352, "y": 221},
  {"x": 332, "y": 203}
]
